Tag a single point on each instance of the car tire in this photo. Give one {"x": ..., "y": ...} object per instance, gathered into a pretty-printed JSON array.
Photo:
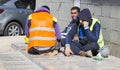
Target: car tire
[{"x": 13, "y": 29}]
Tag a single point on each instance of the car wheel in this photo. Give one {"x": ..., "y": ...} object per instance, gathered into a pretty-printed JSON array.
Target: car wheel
[{"x": 13, "y": 29}]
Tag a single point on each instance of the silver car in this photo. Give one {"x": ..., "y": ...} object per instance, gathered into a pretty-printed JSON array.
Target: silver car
[{"x": 13, "y": 15}]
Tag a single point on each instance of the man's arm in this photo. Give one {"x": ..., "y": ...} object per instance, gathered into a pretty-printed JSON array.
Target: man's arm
[
  {"x": 57, "y": 29},
  {"x": 93, "y": 35},
  {"x": 69, "y": 38},
  {"x": 71, "y": 34},
  {"x": 28, "y": 22}
]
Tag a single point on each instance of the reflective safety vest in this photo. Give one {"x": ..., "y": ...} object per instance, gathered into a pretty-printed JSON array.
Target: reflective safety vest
[
  {"x": 41, "y": 32},
  {"x": 100, "y": 39}
]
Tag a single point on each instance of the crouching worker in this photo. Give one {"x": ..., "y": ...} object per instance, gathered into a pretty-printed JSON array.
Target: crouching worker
[
  {"x": 43, "y": 32},
  {"x": 93, "y": 32},
  {"x": 90, "y": 36}
]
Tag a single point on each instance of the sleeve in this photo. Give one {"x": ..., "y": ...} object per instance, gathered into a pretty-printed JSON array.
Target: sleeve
[
  {"x": 28, "y": 22},
  {"x": 71, "y": 34},
  {"x": 57, "y": 29},
  {"x": 93, "y": 35},
  {"x": 64, "y": 31}
]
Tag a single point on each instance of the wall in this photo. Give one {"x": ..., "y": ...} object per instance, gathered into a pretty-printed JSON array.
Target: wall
[{"x": 108, "y": 11}]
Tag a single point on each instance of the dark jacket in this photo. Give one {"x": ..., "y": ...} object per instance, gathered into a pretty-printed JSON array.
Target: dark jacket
[{"x": 71, "y": 30}]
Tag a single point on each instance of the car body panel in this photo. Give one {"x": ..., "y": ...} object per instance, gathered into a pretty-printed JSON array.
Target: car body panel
[{"x": 12, "y": 13}]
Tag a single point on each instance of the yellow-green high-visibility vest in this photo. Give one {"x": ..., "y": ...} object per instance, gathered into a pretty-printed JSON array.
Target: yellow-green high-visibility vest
[{"x": 100, "y": 39}]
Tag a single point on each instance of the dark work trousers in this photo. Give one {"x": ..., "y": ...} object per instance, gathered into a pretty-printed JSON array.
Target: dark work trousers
[
  {"x": 63, "y": 42},
  {"x": 34, "y": 51},
  {"x": 76, "y": 47}
]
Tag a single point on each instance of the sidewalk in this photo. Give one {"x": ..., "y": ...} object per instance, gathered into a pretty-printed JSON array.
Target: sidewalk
[
  {"x": 11, "y": 59},
  {"x": 16, "y": 58}
]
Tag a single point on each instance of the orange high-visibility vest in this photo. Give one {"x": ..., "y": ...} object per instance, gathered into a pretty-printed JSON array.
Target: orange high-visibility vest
[{"x": 41, "y": 32}]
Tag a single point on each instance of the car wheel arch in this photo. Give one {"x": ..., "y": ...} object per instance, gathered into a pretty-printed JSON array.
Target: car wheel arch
[{"x": 17, "y": 22}]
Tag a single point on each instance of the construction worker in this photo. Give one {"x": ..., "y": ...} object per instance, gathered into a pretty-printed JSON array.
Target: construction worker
[
  {"x": 90, "y": 40},
  {"x": 72, "y": 27},
  {"x": 43, "y": 32}
]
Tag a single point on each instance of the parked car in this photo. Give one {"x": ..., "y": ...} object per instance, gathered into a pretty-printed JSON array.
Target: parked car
[{"x": 13, "y": 15}]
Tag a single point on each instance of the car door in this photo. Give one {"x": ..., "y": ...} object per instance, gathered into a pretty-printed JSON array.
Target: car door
[{"x": 24, "y": 8}]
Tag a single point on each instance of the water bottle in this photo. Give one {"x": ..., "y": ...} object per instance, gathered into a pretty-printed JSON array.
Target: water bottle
[{"x": 98, "y": 57}]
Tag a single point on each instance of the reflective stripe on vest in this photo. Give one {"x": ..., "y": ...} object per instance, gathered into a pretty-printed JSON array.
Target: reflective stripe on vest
[
  {"x": 42, "y": 29},
  {"x": 42, "y": 38},
  {"x": 100, "y": 39}
]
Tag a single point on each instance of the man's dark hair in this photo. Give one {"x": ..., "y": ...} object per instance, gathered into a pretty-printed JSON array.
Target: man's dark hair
[
  {"x": 46, "y": 7},
  {"x": 76, "y": 8}
]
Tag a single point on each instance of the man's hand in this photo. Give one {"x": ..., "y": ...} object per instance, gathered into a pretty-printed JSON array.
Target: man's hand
[
  {"x": 68, "y": 51},
  {"x": 85, "y": 23}
]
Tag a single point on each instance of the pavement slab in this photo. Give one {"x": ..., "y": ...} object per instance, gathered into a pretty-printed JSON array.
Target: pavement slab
[
  {"x": 12, "y": 59},
  {"x": 17, "y": 61}
]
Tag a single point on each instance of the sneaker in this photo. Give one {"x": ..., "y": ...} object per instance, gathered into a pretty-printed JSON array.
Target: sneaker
[
  {"x": 82, "y": 53},
  {"x": 89, "y": 54}
]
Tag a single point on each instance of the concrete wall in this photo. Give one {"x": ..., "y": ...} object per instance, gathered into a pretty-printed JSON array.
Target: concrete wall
[{"x": 108, "y": 11}]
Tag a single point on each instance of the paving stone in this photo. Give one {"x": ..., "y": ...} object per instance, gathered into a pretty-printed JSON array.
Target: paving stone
[{"x": 17, "y": 61}]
